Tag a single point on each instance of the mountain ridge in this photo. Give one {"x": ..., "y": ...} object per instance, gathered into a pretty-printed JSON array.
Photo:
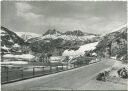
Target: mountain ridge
[{"x": 73, "y": 33}]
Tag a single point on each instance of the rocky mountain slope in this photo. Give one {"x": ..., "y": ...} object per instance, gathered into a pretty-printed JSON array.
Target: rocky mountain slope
[
  {"x": 75, "y": 33},
  {"x": 114, "y": 44},
  {"x": 10, "y": 41},
  {"x": 51, "y": 32}
]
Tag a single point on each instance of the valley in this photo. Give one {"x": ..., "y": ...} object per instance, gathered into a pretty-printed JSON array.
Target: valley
[{"x": 58, "y": 55}]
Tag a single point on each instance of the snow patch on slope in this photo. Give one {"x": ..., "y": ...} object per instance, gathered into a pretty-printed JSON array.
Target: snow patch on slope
[
  {"x": 23, "y": 56},
  {"x": 81, "y": 50},
  {"x": 13, "y": 62}
]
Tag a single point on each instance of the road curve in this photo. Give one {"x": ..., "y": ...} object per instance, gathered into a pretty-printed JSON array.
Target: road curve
[{"x": 68, "y": 80}]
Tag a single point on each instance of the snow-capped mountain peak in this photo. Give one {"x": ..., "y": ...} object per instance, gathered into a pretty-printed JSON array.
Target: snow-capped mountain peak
[{"x": 27, "y": 35}]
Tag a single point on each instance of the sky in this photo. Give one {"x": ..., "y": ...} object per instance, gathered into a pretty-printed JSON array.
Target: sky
[{"x": 99, "y": 17}]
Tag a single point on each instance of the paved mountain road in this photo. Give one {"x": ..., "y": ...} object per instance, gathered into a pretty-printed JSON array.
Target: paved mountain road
[{"x": 72, "y": 79}]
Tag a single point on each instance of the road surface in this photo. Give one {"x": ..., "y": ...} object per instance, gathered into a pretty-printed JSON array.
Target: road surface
[{"x": 68, "y": 80}]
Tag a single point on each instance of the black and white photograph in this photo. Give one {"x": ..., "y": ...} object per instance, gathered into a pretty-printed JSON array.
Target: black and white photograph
[{"x": 64, "y": 45}]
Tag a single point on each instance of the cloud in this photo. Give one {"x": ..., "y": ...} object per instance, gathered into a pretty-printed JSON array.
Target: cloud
[
  {"x": 106, "y": 26},
  {"x": 69, "y": 17},
  {"x": 24, "y": 11},
  {"x": 23, "y": 7},
  {"x": 91, "y": 24},
  {"x": 95, "y": 19},
  {"x": 64, "y": 24}
]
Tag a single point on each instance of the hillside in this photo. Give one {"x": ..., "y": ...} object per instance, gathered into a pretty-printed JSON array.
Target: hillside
[
  {"x": 114, "y": 44},
  {"x": 11, "y": 42}
]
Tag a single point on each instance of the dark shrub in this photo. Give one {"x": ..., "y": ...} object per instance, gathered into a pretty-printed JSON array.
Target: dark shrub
[
  {"x": 102, "y": 76},
  {"x": 123, "y": 73}
]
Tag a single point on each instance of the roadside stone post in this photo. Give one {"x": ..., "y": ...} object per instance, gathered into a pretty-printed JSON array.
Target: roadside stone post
[
  {"x": 22, "y": 74},
  {"x": 7, "y": 73},
  {"x": 62, "y": 66},
  {"x": 43, "y": 70},
  {"x": 67, "y": 66},
  {"x": 50, "y": 68},
  {"x": 33, "y": 71}
]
